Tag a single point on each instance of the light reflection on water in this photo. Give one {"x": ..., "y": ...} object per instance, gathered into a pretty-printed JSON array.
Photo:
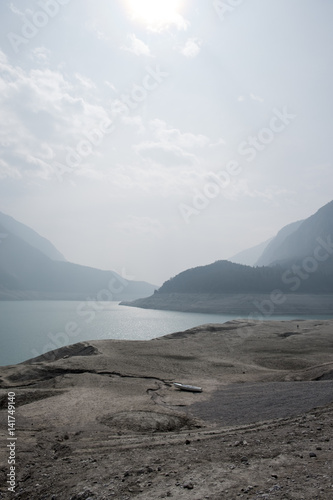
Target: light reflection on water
[{"x": 30, "y": 328}]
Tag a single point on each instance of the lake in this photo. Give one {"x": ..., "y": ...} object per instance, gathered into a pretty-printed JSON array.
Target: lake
[{"x": 31, "y": 328}]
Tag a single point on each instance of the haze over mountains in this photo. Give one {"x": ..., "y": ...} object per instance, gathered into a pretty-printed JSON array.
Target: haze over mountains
[
  {"x": 32, "y": 268},
  {"x": 298, "y": 260},
  {"x": 25, "y": 233},
  {"x": 293, "y": 242}
]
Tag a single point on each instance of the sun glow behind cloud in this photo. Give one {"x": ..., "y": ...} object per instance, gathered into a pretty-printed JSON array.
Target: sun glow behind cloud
[{"x": 158, "y": 15}]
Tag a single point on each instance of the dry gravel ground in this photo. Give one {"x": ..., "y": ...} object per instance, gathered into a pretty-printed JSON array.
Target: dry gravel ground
[{"x": 102, "y": 419}]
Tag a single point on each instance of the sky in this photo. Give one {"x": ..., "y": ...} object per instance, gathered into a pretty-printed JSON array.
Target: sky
[{"x": 151, "y": 136}]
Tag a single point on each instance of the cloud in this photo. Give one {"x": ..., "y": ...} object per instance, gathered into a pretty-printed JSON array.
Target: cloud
[
  {"x": 191, "y": 48},
  {"x": 40, "y": 55},
  {"x": 134, "y": 121},
  {"x": 241, "y": 188},
  {"x": 242, "y": 98},
  {"x": 170, "y": 147},
  {"x": 219, "y": 142},
  {"x": 158, "y": 16},
  {"x": 137, "y": 46},
  {"x": 175, "y": 136},
  {"x": 42, "y": 114},
  {"x": 84, "y": 81},
  {"x": 110, "y": 85},
  {"x": 165, "y": 154},
  {"x": 256, "y": 98},
  {"x": 141, "y": 226},
  {"x": 99, "y": 32},
  {"x": 7, "y": 170},
  {"x": 152, "y": 179}
]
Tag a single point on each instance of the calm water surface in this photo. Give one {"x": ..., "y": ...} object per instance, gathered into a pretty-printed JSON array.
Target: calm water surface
[{"x": 31, "y": 328}]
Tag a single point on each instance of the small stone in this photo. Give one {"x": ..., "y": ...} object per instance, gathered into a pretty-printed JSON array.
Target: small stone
[
  {"x": 244, "y": 459},
  {"x": 188, "y": 486},
  {"x": 187, "y": 441},
  {"x": 274, "y": 475},
  {"x": 312, "y": 455}
]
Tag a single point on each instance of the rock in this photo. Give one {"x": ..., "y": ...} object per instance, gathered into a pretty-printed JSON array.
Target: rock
[
  {"x": 312, "y": 455},
  {"x": 188, "y": 486},
  {"x": 83, "y": 495}
]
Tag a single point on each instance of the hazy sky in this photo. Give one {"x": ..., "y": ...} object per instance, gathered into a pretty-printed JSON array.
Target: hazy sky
[{"x": 158, "y": 135}]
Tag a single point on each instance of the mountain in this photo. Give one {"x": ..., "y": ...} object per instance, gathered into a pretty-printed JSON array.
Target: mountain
[
  {"x": 26, "y": 272},
  {"x": 297, "y": 276},
  {"x": 299, "y": 240},
  {"x": 250, "y": 256},
  {"x": 226, "y": 277},
  {"x": 227, "y": 288},
  {"x": 223, "y": 277},
  {"x": 271, "y": 253},
  {"x": 9, "y": 224}
]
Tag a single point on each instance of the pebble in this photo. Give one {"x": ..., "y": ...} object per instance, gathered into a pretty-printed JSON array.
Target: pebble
[
  {"x": 312, "y": 455},
  {"x": 188, "y": 486}
]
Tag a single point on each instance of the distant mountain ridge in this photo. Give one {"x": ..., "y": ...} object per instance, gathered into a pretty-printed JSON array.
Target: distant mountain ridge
[
  {"x": 299, "y": 259},
  {"x": 30, "y": 236},
  {"x": 251, "y": 255},
  {"x": 293, "y": 242},
  {"x": 28, "y": 272},
  {"x": 270, "y": 253},
  {"x": 300, "y": 239}
]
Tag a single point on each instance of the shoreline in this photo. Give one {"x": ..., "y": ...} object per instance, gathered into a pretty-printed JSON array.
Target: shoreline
[
  {"x": 103, "y": 418},
  {"x": 258, "y": 306}
]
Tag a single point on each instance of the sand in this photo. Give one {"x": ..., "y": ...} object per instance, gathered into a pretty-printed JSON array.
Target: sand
[{"x": 102, "y": 419}]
